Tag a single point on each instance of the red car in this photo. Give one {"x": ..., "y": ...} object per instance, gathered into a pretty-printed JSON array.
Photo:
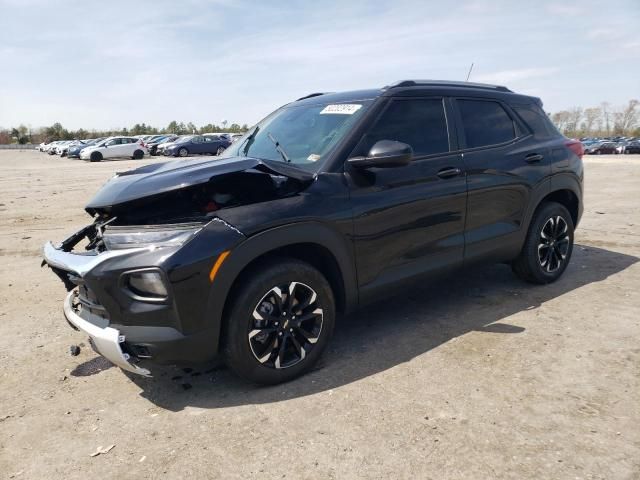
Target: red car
[{"x": 604, "y": 148}]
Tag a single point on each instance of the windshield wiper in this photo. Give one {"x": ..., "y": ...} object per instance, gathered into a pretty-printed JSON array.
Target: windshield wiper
[
  {"x": 279, "y": 148},
  {"x": 248, "y": 141}
]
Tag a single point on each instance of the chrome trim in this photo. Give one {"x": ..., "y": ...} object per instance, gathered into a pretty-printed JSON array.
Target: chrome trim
[
  {"x": 106, "y": 340},
  {"x": 82, "y": 263}
]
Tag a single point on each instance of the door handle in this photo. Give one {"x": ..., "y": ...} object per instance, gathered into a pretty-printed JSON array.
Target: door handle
[
  {"x": 449, "y": 172},
  {"x": 533, "y": 158}
]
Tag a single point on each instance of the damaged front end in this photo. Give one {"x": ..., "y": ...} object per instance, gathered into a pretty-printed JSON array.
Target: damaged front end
[{"x": 139, "y": 276}]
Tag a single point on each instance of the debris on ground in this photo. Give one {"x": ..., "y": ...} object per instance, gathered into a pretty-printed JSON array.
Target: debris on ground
[
  {"x": 101, "y": 451},
  {"x": 74, "y": 350}
]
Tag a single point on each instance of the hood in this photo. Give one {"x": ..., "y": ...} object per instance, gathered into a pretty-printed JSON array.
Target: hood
[{"x": 159, "y": 178}]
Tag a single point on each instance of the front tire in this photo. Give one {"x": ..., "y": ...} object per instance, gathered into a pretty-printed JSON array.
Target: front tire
[
  {"x": 279, "y": 322},
  {"x": 220, "y": 151},
  {"x": 548, "y": 246},
  {"x": 183, "y": 152},
  {"x": 95, "y": 157}
]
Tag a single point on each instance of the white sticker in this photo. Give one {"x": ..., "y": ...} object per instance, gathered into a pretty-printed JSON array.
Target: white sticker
[
  {"x": 341, "y": 109},
  {"x": 314, "y": 157}
]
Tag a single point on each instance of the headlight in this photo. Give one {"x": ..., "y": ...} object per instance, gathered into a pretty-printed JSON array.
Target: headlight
[{"x": 115, "y": 238}]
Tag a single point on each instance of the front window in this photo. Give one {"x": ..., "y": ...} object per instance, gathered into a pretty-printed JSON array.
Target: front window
[{"x": 300, "y": 134}]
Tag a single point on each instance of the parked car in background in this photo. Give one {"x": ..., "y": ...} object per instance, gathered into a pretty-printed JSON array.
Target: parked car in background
[
  {"x": 152, "y": 146},
  {"x": 632, "y": 147},
  {"x": 162, "y": 146},
  {"x": 197, "y": 145},
  {"x": 115, "y": 147},
  {"x": 57, "y": 149},
  {"x": 602, "y": 148},
  {"x": 74, "y": 150},
  {"x": 50, "y": 148},
  {"x": 63, "y": 149}
]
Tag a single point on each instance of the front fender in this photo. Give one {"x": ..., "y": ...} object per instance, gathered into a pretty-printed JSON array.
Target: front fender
[{"x": 242, "y": 255}]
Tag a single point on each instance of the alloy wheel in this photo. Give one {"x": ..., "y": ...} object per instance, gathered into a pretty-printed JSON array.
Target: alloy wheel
[
  {"x": 286, "y": 325},
  {"x": 553, "y": 245}
]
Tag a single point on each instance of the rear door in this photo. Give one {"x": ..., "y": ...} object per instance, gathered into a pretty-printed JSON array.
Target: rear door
[
  {"x": 211, "y": 144},
  {"x": 128, "y": 147},
  {"x": 504, "y": 164},
  {"x": 408, "y": 220}
]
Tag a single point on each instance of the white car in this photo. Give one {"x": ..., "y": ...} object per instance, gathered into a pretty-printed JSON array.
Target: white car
[
  {"x": 51, "y": 148},
  {"x": 115, "y": 147},
  {"x": 62, "y": 148}
]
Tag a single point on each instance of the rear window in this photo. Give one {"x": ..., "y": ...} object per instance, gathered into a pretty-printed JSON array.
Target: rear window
[
  {"x": 485, "y": 123},
  {"x": 536, "y": 120}
]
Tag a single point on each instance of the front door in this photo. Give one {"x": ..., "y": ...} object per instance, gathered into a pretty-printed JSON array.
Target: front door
[{"x": 408, "y": 220}]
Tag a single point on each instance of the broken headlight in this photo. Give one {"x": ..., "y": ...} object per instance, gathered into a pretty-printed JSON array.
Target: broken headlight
[{"x": 116, "y": 238}]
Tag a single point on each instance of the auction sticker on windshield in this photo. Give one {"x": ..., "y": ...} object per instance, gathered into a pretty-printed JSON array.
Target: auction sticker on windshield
[{"x": 341, "y": 109}]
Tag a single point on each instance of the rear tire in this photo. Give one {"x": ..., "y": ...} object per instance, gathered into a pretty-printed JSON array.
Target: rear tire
[
  {"x": 220, "y": 151},
  {"x": 279, "y": 321},
  {"x": 95, "y": 157},
  {"x": 138, "y": 155},
  {"x": 548, "y": 246}
]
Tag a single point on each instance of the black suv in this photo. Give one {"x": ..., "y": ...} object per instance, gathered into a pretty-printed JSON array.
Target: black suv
[{"x": 328, "y": 203}]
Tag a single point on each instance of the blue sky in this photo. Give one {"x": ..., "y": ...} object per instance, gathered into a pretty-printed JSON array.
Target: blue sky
[{"x": 111, "y": 63}]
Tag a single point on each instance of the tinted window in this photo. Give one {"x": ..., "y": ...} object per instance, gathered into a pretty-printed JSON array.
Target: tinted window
[
  {"x": 537, "y": 120},
  {"x": 419, "y": 123},
  {"x": 485, "y": 123}
]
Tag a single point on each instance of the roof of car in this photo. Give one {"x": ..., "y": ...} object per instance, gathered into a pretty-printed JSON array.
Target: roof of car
[{"x": 417, "y": 87}]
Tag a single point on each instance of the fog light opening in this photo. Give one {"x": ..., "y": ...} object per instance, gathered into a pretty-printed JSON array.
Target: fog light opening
[{"x": 147, "y": 284}]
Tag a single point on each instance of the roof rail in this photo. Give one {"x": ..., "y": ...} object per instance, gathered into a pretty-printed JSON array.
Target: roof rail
[
  {"x": 311, "y": 95},
  {"x": 445, "y": 83}
]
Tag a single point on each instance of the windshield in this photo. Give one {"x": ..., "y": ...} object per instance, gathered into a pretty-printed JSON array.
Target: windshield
[
  {"x": 300, "y": 134},
  {"x": 188, "y": 138}
]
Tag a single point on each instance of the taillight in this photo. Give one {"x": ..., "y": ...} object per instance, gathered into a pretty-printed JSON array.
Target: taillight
[
  {"x": 141, "y": 143},
  {"x": 575, "y": 146}
]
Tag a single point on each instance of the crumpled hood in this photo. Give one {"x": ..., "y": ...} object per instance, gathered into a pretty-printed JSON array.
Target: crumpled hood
[{"x": 158, "y": 178}]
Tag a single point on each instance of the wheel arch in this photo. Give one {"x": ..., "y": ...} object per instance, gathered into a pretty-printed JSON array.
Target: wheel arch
[
  {"x": 568, "y": 199},
  {"x": 312, "y": 242}
]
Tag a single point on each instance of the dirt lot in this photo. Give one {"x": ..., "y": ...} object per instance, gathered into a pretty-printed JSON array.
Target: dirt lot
[{"x": 481, "y": 376}]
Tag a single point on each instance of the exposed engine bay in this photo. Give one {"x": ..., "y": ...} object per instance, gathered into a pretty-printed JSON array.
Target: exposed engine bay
[{"x": 183, "y": 207}]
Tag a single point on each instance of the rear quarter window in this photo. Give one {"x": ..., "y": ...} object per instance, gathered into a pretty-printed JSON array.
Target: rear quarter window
[
  {"x": 485, "y": 123},
  {"x": 536, "y": 120}
]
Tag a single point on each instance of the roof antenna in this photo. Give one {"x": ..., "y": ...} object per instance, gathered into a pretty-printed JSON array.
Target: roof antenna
[{"x": 469, "y": 74}]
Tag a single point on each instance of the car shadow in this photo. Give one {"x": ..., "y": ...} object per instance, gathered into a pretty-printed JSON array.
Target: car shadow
[{"x": 390, "y": 332}]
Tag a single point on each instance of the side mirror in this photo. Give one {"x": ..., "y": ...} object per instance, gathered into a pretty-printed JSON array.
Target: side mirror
[{"x": 385, "y": 154}]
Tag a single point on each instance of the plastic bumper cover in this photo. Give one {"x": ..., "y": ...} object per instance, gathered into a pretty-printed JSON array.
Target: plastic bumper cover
[{"x": 106, "y": 340}]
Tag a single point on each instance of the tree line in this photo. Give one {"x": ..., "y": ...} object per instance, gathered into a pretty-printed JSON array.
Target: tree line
[
  {"x": 599, "y": 121},
  {"x": 23, "y": 134}
]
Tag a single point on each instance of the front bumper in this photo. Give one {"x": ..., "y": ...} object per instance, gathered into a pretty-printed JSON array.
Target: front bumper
[
  {"x": 105, "y": 340},
  {"x": 124, "y": 327}
]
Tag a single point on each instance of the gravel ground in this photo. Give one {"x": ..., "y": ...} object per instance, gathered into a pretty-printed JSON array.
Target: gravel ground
[{"x": 478, "y": 376}]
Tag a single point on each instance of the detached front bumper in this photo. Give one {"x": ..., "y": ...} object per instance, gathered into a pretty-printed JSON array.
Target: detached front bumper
[{"x": 105, "y": 340}]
